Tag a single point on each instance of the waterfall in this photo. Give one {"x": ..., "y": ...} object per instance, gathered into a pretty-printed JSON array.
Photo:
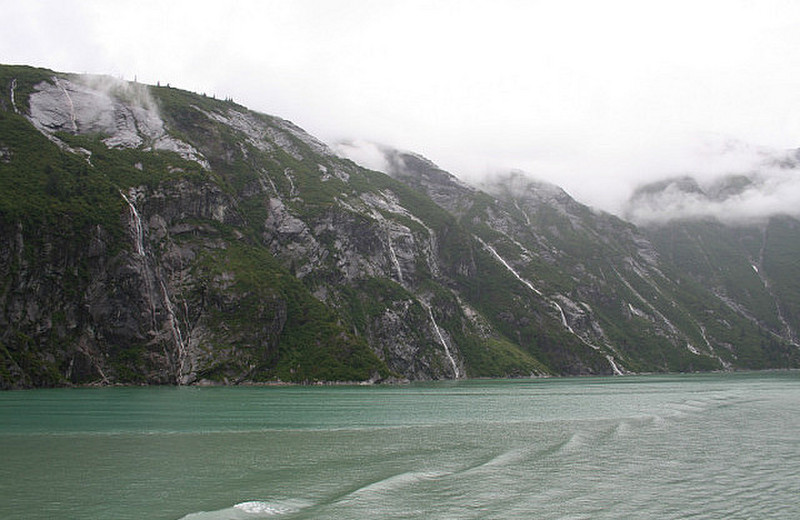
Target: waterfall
[
  {"x": 614, "y": 367},
  {"x": 787, "y": 335},
  {"x": 554, "y": 303},
  {"x": 655, "y": 311},
  {"x": 13, "y": 102},
  {"x": 524, "y": 214},
  {"x": 264, "y": 175},
  {"x": 138, "y": 234},
  {"x": 176, "y": 332},
  {"x": 292, "y": 189},
  {"x": 138, "y": 238},
  {"x": 71, "y": 106},
  {"x": 509, "y": 268},
  {"x": 528, "y": 284},
  {"x": 563, "y": 317},
  {"x": 136, "y": 226},
  {"x": 394, "y": 256},
  {"x": 456, "y": 374},
  {"x": 430, "y": 257}
]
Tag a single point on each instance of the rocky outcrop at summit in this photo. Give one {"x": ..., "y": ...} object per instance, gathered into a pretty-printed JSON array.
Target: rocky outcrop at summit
[
  {"x": 123, "y": 112},
  {"x": 159, "y": 236}
]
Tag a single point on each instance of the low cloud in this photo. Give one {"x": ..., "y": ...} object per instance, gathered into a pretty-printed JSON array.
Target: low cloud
[
  {"x": 364, "y": 153},
  {"x": 597, "y": 104},
  {"x": 728, "y": 192},
  {"x": 131, "y": 92}
]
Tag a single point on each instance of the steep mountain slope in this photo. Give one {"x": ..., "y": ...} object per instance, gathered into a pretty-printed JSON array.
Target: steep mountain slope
[
  {"x": 750, "y": 262},
  {"x": 128, "y": 257},
  {"x": 607, "y": 280},
  {"x": 162, "y": 236},
  {"x": 159, "y": 236}
]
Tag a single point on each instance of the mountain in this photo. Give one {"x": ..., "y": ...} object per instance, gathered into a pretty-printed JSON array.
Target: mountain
[
  {"x": 737, "y": 238},
  {"x": 616, "y": 287},
  {"x": 158, "y": 236}
]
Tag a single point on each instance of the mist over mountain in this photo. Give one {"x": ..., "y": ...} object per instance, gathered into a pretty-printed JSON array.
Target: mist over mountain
[
  {"x": 749, "y": 186},
  {"x": 160, "y": 236}
]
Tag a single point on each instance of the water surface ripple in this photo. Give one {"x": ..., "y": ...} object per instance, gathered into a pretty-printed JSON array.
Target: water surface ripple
[{"x": 661, "y": 447}]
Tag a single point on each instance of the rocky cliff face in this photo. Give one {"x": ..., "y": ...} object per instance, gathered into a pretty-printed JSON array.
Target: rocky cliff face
[
  {"x": 601, "y": 278},
  {"x": 735, "y": 240},
  {"x": 158, "y": 236}
]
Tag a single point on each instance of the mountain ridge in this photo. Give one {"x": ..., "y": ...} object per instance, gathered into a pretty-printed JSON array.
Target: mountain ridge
[{"x": 160, "y": 236}]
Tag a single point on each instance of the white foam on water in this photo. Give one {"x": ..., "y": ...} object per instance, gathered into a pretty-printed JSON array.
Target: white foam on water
[
  {"x": 257, "y": 507},
  {"x": 576, "y": 441},
  {"x": 391, "y": 484},
  {"x": 622, "y": 428},
  {"x": 500, "y": 464},
  {"x": 251, "y": 510}
]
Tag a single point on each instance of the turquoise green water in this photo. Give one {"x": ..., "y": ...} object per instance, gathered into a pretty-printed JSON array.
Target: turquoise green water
[{"x": 699, "y": 446}]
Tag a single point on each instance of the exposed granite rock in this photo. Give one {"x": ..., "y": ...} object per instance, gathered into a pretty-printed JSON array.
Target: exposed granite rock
[
  {"x": 123, "y": 111},
  {"x": 276, "y": 259}
]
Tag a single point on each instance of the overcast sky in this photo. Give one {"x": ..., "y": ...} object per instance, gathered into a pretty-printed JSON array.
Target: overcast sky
[{"x": 594, "y": 96}]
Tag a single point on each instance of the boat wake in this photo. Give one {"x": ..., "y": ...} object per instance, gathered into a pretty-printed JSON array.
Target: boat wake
[
  {"x": 251, "y": 510},
  {"x": 392, "y": 484}
]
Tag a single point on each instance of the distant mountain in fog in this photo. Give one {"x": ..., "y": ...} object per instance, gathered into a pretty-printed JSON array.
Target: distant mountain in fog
[{"x": 159, "y": 236}]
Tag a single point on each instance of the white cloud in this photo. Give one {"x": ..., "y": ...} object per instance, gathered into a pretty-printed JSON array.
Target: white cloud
[
  {"x": 364, "y": 153},
  {"x": 593, "y": 96},
  {"x": 749, "y": 185}
]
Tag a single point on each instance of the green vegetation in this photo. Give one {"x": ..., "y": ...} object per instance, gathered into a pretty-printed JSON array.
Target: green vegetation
[
  {"x": 308, "y": 343},
  {"x": 21, "y": 364},
  {"x": 782, "y": 264},
  {"x": 709, "y": 255},
  {"x": 26, "y": 79},
  {"x": 48, "y": 188},
  {"x": 273, "y": 264},
  {"x": 492, "y": 356}
]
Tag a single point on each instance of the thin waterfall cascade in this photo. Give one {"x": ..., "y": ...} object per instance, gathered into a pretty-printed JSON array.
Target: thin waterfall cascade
[
  {"x": 136, "y": 226},
  {"x": 563, "y": 317},
  {"x": 456, "y": 373},
  {"x": 265, "y": 175},
  {"x": 176, "y": 332},
  {"x": 292, "y": 190},
  {"x": 394, "y": 257},
  {"x": 528, "y": 284},
  {"x": 649, "y": 305},
  {"x": 138, "y": 233},
  {"x": 137, "y": 230},
  {"x": 509, "y": 268},
  {"x": 13, "y": 101},
  {"x": 614, "y": 367},
  {"x": 71, "y": 106},
  {"x": 787, "y": 335},
  {"x": 524, "y": 213},
  {"x": 392, "y": 253},
  {"x": 554, "y": 303}
]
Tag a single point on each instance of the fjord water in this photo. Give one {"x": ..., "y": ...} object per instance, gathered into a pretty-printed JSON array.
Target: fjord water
[{"x": 690, "y": 446}]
